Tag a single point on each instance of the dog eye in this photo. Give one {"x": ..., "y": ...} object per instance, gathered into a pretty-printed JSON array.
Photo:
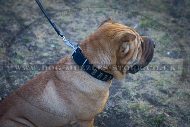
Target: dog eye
[
  {"x": 123, "y": 50},
  {"x": 142, "y": 44}
]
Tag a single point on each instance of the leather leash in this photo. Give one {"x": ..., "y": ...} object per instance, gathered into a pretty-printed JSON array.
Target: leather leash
[
  {"x": 56, "y": 28},
  {"x": 77, "y": 54}
]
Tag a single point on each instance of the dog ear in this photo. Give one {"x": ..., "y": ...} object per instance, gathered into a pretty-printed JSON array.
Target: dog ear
[
  {"x": 125, "y": 46},
  {"x": 128, "y": 37},
  {"x": 124, "y": 49},
  {"x": 105, "y": 21},
  {"x": 124, "y": 53}
]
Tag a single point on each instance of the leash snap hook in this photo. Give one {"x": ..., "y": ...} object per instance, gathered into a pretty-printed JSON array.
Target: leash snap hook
[{"x": 56, "y": 28}]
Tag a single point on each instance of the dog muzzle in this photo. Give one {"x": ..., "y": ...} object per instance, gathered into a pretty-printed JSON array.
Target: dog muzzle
[{"x": 147, "y": 54}]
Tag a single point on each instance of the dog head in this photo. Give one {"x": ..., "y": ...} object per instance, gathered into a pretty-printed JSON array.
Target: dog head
[
  {"x": 130, "y": 51},
  {"x": 119, "y": 46}
]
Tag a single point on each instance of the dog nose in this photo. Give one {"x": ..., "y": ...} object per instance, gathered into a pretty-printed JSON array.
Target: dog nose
[{"x": 153, "y": 43}]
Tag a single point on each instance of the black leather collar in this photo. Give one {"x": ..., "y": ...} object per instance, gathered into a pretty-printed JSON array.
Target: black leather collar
[{"x": 85, "y": 65}]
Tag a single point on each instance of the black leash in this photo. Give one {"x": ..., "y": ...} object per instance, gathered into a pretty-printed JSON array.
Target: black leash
[
  {"x": 77, "y": 54},
  {"x": 56, "y": 28}
]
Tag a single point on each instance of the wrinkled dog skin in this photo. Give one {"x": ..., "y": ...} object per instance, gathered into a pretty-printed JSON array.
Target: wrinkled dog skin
[{"x": 59, "y": 98}]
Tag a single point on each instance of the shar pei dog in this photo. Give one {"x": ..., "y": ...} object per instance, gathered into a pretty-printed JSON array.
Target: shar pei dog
[{"x": 61, "y": 97}]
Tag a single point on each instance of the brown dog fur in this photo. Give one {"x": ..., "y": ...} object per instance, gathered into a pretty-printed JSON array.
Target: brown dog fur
[{"x": 58, "y": 98}]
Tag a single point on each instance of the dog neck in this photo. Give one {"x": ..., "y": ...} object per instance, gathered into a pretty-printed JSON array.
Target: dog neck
[
  {"x": 100, "y": 53},
  {"x": 96, "y": 54}
]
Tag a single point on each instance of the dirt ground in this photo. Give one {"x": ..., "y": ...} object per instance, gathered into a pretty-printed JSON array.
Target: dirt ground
[{"x": 158, "y": 96}]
